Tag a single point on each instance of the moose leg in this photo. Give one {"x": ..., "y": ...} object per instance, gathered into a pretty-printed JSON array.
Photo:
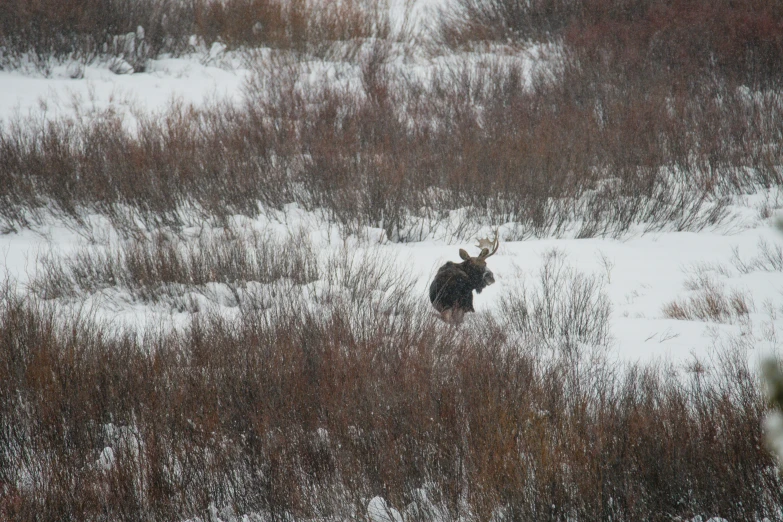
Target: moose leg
[
  {"x": 445, "y": 315},
  {"x": 452, "y": 316}
]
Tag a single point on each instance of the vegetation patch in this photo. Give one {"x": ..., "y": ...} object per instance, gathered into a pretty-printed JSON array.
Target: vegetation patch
[
  {"x": 299, "y": 415},
  {"x": 332, "y": 383}
]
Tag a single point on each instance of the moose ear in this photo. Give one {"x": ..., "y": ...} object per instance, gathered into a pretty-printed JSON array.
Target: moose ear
[{"x": 463, "y": 254}]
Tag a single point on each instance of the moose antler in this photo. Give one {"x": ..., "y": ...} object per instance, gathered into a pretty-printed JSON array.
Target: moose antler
[{"x": 489, "y": 246}]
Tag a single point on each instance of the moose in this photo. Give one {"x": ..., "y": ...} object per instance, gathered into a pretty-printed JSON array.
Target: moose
[{"x": 451, "y": 291}]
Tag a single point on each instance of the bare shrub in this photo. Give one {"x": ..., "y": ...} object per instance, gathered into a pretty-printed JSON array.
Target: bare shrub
[
  {"x": 768, "y": 259},
  {"x": 565, "y": 306},
  {"x": 132, "y": 32},
  {"x": 404, "y": 154},
  {"x": 171, "y": 169},
  {"x": 659, "y": 132},
  {"x": 311, "y": 26},
  {"x": 300, "y": 415},
  {"x": 249, "y": 270},
  {"x": 84, "y": 31},
  {"x": 683, "y": 36},
  {"x": 470, "y": 21},
  {"x": 481, "y": 143},
  {"x": 637, "y": 36},
  {"x": 356, "y": 156},
  {"x": 231, "y": 267}
]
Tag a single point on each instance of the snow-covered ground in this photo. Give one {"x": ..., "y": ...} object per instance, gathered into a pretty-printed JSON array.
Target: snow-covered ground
[
  {"x": 205, "y": 76},
  {"x": 641, "y": 273}
]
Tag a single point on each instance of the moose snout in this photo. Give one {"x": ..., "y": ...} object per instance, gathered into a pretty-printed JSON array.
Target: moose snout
[{"x": 489, "y": 277}]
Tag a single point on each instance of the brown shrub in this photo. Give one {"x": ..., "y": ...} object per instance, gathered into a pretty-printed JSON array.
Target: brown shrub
[
  {"x": 603, "y": 142},
  {"x": 301, "y": 24},
  {"x": 48, "y": 30},
  {"x": 298, "y": 414},
  {"x": 652, "y": 38}
]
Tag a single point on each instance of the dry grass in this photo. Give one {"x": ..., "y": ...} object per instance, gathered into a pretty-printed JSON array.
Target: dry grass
[
  {"x": 315, "y": 27},
  {"x": 247, "y": 270},
  {"x": 711, "y": 304},
  {"x": 709, "y": 300}
]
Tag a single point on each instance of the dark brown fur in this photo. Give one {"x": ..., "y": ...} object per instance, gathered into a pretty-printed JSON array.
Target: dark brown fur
[{"x": 451, "y": 292}]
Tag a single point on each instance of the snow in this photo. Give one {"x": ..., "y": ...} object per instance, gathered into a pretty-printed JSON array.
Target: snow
[
  {"x": 196, "y": 79},
  {"x": 641, "y": 273},
  {"x": 379, "y": 511}
]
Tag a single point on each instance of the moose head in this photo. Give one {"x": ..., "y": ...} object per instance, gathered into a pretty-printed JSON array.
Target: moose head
[{"x": 451, "y": 291}]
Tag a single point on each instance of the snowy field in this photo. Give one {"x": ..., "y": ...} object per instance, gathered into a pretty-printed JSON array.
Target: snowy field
[
  {"x": 641, "y": 272},
  {"x": 679, "y": 299}
]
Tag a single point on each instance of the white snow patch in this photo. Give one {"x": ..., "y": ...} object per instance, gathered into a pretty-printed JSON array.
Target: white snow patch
[{"x": 378, "y": 510}]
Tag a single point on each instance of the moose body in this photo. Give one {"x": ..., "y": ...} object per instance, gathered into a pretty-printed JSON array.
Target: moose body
[{"x": 451, "y": 291}]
